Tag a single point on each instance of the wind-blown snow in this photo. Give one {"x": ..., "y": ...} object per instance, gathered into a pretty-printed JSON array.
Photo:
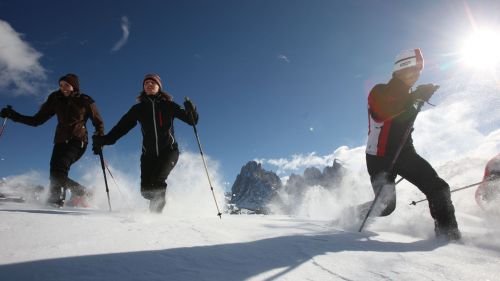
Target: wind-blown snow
[{"x": 188, "y": 191}]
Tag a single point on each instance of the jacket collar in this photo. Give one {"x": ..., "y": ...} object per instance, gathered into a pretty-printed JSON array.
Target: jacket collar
[
  {"x": 156, "y": 97},
  {"x": 73, "y": 94},
  {"x": 396, "y": 84}
]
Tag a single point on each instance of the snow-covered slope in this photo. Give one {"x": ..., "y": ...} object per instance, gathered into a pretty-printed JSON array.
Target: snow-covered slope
[
  {"x": 189, "y": 242},
  {"x": 41, "y": 244}
]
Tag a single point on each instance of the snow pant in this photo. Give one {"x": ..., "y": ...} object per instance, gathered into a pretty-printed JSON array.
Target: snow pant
[
  {"x": 63, "y": 156},
  {"x": 154, "y": 172},
  {"x": 420, "y": 173}
]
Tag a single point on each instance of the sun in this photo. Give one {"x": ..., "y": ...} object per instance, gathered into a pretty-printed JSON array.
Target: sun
[{"x": 482, "y": 50}]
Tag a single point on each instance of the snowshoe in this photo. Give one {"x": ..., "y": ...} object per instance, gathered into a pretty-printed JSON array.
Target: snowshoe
[{"x": 79, "y": 201}]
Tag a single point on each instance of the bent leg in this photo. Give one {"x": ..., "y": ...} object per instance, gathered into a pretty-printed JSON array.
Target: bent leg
[
  {"x": 63, "y": 156},
  {"x": 154, "y": 173},
  {"x": 76, "y": 188},
  {"x": 382, "y": 184},
  {"x": 420, "y": 173}
]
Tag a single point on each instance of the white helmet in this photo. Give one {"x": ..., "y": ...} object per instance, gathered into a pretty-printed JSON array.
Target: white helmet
[{"x": 409, "y": 58}]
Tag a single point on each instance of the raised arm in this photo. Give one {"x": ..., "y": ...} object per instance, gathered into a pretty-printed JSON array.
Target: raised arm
[
  {"x": 45, "y": 113},
  {"x": 187, "y": 114},
  {"x": 126, "y": 123}
]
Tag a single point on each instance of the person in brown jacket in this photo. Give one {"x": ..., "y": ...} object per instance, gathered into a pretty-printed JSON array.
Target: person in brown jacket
[{"x": 73, "y": 108}]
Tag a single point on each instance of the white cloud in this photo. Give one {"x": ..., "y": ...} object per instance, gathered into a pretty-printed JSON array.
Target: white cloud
[
  {"x": 283, "y": 58},
  {"x": 125, "y": 29},
  {"x": 299, "y": 161},
  {"x": 22, "y": 73}
]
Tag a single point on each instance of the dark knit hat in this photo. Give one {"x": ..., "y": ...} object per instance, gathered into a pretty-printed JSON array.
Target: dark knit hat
[
  {"x": 71, "y": 79},
  {"x": 154, "y": 77}
]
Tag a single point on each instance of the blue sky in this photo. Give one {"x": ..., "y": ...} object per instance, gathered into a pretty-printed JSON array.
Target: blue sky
[{"x": 271, "y": 79}]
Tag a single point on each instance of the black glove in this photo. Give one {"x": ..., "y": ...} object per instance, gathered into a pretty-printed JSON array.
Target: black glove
[
  {"x": 7, "y": 112},
  {"x": 191, "y": 111},
  {"x": 189, "y": 106},
  {"x": 97, "y": 143},
  {"x": 425, "y": 92}
]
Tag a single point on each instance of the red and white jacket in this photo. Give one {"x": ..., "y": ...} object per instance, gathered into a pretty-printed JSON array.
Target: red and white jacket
[
  {"x": 390, "y": 110},
  {"x": 492, "y": 168}
]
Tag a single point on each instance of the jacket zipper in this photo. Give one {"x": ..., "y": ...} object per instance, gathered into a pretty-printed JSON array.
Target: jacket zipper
[
  {"x": 171, "y": 135},
  {"x": 143, "y": 133},
  {"x": 154, "y": 123}
]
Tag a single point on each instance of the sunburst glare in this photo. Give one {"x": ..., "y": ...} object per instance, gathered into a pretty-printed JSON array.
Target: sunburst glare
[{"x": 482, "y": 50}]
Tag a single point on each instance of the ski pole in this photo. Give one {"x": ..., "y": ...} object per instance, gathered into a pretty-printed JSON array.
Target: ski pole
[
  {"x": 204, "y": 163},
  {"x": 420, "y": 103},
  {"x": 3, "y": 126},
  {"x": 414, "y": 203},
  {"x": 114, "y": 180},
  {"x": 4, "y": 123},
  {"x": 105, "y": 179}
]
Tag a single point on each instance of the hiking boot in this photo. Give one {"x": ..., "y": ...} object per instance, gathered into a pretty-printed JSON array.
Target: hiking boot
[
  {"x": 57, "y": 197},
  {"x": 448, "y": 233},
  {"x": 157, "y": 204},
  {"x": 56, "y": 203}
]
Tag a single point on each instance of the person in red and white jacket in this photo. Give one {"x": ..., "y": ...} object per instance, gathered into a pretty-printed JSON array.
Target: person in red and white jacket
[
  {"x": 489, "y": 190},
  {"x": 391, "y": 112}
]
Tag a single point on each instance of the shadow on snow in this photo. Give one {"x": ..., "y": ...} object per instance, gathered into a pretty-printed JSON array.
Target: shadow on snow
[
  {"x": 64, "y": 211},
  {"x": 236, "y": 261}
]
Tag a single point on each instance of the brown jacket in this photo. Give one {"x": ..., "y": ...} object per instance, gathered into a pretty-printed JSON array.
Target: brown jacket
[{"x": 72, "y": 115}]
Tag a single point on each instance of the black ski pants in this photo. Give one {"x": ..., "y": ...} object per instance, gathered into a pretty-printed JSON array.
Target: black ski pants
[
  {"x": 420, "y": 173},
  {"x": 154, "y": 172},
  {"x": 63, "y": 156}
]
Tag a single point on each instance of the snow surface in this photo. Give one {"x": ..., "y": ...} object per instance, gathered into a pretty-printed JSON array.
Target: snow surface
[
  {"x": 189, "y": 242},
  {"x": 73, "y": 244}
]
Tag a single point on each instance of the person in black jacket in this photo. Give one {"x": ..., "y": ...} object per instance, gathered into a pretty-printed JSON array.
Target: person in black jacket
[
  {"x": 391, "y": 109},
  {"x": 73, "y": 109},
  {"x": 155, "y": 111}
]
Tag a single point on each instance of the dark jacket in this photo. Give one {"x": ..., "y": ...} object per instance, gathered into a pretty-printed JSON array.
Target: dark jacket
[
  {"x": 391, "y": 110},
  {"x": 156, "y": 116},
  {"x": 72, "y": 115}
]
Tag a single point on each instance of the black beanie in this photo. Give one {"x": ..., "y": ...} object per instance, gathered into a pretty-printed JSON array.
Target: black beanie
[{"x": 71, "y": 79}]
